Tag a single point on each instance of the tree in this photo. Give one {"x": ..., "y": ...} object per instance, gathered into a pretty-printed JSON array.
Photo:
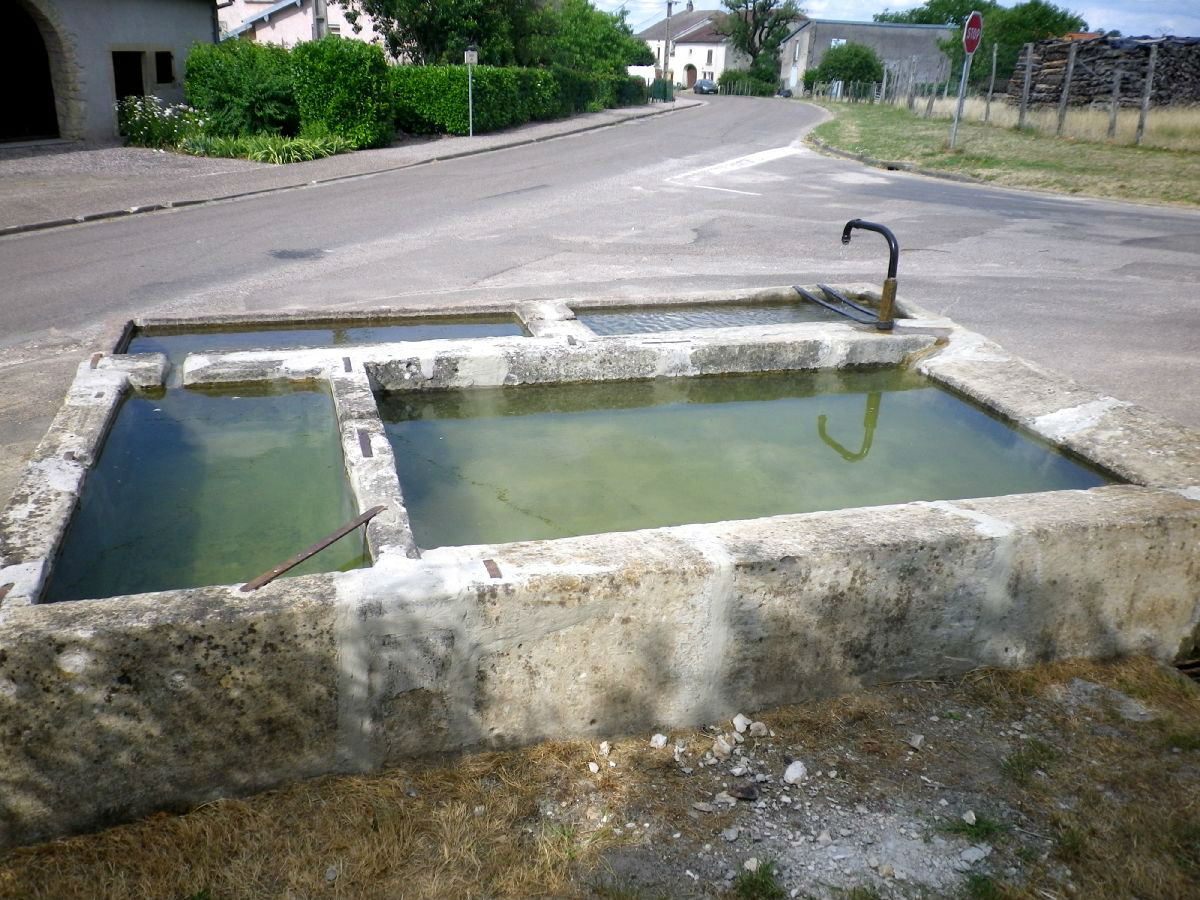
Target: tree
[
  {"x": 758, "y": 28},
  {"x": 429, "y": 32},
  {"x": 849, "y": 62},
  {"x": 575, "y": 34},
  {"x": 1009, "y": 29}
]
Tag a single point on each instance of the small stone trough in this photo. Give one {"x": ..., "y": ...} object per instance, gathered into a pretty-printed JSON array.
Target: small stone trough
[{"x": 115, "y": 707}]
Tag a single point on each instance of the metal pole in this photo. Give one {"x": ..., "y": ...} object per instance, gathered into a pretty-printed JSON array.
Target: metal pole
[
  {"x": 987, "y": 110},
  {"x": 470, "y": 104},
  {"x": 1141, "y": 126},
  {"x": 1028, "y": 81},
  {"x": 1064, "y": 96},
  {"x": 1114, "y": 104},
  {"x": 962, "y": 95}
]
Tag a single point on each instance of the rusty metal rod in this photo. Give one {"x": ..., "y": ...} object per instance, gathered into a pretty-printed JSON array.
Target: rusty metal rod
[{"x": 268, "y": 577}]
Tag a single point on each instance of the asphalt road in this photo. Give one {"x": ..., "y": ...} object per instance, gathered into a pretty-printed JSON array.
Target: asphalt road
[{"x": 721, "y": 196}]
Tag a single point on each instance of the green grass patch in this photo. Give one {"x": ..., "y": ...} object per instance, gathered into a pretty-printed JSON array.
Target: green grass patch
[
  {"x": 1020, "y": 765},
  {"x": 761, "y": 884},
  {"x": 1024, "y": 159},
  {"x": 983, "y": 829}
]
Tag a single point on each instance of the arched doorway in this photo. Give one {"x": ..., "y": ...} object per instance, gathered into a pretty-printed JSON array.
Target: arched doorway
[
  {"x": 31, "y": 112},
  {"x": 689, "y": 72}
]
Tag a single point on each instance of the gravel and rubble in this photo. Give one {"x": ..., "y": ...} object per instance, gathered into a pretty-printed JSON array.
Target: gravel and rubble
[{"x": 914, "y": 799}]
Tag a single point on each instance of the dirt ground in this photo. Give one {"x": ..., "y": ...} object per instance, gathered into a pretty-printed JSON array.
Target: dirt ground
[{"x": 1067, "y": 780}]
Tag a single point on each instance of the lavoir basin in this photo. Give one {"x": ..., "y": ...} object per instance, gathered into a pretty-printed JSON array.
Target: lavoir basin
[
  {"x": 580, "y": 536},
  {"x": 533, "y": 462},
  {"x": 198, "y": 487}
]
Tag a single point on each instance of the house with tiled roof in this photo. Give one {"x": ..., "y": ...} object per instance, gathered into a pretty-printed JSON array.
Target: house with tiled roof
[{"x": 698, "y": 47}]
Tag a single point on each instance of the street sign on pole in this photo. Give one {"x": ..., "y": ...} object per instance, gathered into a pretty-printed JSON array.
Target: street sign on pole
[
  {"x": 972, "y": 35},
  {"x": 471, "y": 58}
]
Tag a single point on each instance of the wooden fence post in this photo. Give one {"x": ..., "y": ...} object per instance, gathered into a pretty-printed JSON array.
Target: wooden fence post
[
  {"x": 987, "y": 110},
  {"x": 912, "y": 86},
  {"x": 1028, "y": 82},
  {"x": 1146, "y": 91},
  {"x": 1066, "y": 89},
  {"x": 1114, "y": 104},
  {"x": 929, "y": 102}
]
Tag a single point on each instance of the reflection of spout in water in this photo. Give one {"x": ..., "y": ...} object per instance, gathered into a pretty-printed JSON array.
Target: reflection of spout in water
[{"x": 870, "y": 420}]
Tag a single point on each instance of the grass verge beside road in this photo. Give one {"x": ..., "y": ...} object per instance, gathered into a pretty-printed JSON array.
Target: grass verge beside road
[{"x": 1020, "y": 159}]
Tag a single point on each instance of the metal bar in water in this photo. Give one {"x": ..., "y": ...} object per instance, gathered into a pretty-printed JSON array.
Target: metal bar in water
[{"x": 268, "y": 577}]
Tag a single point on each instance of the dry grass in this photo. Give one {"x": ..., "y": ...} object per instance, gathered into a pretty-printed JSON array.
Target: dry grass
[
  {"x": 1167, "y": 128},
  {"x": 1028, "y": 158},
  {"x": 474, "y": 829},
  {"x": 1122, "y": 812}
]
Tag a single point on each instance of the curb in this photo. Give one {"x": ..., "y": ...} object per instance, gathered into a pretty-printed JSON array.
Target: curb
[
  {"x": 7, "y": 230},
  {"x": 892, "y": 165}
]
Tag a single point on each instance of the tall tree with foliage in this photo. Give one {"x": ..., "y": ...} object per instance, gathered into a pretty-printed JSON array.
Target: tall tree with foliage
[
  {"x": 431, "y": 32},
  {"x": 758, "y": 28},
  {"x": 1008, "y": 28},
  {"x": 575, "y": 34}
]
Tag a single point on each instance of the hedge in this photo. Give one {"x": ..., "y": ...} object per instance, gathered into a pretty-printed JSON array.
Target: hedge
[
  {"x": 240, "y": 87},
  {"x": 433, "y": 99},
  {"x": 746, "y": 81},
  {"x": 342, "y": 89}
]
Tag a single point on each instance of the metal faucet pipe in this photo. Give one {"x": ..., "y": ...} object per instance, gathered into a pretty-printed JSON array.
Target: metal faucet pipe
[
  {"x": 888, "y": 297},
  {"x": 893, "y": 246}
]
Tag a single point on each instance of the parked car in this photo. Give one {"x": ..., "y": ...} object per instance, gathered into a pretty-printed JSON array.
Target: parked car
[{"x": 704, "y": 86}]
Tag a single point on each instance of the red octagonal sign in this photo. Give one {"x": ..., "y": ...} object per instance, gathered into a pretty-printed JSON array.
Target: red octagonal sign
[{"x": 972, "y": 32}]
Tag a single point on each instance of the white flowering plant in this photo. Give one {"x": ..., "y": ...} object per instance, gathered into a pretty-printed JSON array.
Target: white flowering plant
[{"x": 149, "y": 122}]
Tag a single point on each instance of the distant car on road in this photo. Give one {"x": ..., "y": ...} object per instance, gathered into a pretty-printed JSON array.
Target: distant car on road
[{"x": 704, "y": 86}]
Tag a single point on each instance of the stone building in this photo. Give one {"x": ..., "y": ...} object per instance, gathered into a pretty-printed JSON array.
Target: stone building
[
  {"x": 907, "y": 51},
  {"x": 71, "y": 60}
]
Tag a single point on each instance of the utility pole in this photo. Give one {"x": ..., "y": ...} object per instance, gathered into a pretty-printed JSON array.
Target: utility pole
[
  {"x": 667, "y": 43},
  {"x": 320, "y": 26}
]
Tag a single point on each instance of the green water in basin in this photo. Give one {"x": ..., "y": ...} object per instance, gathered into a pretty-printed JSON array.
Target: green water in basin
[
  {"x": 717, "y": 315},
  {"x": 546, "y": 461},
  {"x": 177, "y": 345},
  {"x": 196, "y": 488}
]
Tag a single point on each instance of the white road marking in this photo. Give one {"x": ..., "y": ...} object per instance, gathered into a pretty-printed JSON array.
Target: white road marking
[
  {"x": 709, "y": 187},
  {"x": 741, "y": 162}
]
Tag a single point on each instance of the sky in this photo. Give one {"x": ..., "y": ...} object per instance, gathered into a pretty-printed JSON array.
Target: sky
[{"x": 1130, "y": 17}]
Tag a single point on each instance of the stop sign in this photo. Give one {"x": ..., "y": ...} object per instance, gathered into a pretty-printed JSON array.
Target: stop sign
[{"x": 972, "y": 32}]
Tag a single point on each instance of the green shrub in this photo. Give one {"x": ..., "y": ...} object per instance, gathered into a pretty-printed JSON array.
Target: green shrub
[
  {"x": 342, "y": 85},
  {"x": 149, "y": 122},
  {"x": 433, "y": 99},
  {"x": 743, "y": 81},
  {"x": 241, "y": 87},
  {"x": 850, "y": 62},
  {"x": 811, "y": 78},
  {"x": 632, "y": 91},
  {"x": 269, "y": 148}
]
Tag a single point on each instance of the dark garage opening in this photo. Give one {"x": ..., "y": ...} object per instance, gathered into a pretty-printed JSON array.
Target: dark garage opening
[
  {"x": 127, "y": 73},
  {"x": 25, "y": 68}
]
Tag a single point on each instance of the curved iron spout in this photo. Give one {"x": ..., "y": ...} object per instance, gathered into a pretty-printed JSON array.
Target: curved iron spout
[
  {"x": 888, "y": 297},
  {"x": 893, "y": 246}
]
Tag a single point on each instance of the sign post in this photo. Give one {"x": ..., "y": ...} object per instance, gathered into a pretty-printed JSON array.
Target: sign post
[
  {"x": 972, "y": 34},
  {"x": 471, "y": 58}
]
